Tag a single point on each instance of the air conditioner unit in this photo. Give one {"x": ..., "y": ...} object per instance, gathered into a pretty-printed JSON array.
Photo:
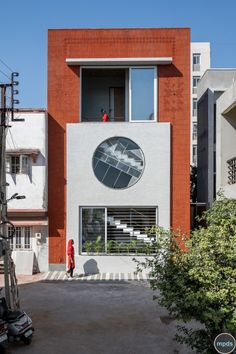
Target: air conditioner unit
[{"x": 38, "y": 236}]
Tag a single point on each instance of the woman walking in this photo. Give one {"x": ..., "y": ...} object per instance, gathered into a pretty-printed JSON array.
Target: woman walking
[{"x": 71, "y": 258}]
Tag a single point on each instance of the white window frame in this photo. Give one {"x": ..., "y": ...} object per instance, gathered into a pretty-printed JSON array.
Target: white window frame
[
  {"x": 197, "y": 77},
  {"x": 196, "y": 66},
  {"x": 25, "y": 234},
  {"x": 155, "y": 82},
  {"x": 22, "y": 169}
]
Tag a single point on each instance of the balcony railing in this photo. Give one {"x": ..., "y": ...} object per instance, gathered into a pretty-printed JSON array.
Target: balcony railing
[{"x": 232, "y": 170}]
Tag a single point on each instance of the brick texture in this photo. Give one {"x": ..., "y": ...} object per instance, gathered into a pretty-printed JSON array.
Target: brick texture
[{"x": 64, "y": 107}]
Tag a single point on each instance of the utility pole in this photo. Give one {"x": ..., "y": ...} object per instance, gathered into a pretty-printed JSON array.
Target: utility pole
[
  {"x": 3, "y": 192},
  {"x": 3, "y": 198}
]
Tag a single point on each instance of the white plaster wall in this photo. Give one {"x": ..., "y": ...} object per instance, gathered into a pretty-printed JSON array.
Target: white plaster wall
[
  {"x": 40, "y": 248},
  {"x": 202, "y": 48},
  {"x": 225, "y": 139},
  {"x": 35, "y": 259},
  {"x": 93, "y": 264},
  {"x": 32, "y": 133},
  {"x": 83, "y": 188}
]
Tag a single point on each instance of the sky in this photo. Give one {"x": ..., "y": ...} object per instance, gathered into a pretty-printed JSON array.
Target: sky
[{"x": 24, "y": 26}]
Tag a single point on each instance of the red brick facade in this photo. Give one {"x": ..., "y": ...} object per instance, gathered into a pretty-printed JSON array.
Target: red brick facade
[{"x": 64, "y": 107}]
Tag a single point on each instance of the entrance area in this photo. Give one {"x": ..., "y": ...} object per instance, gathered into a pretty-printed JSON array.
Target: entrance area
[{"x": 116, "y": 230}]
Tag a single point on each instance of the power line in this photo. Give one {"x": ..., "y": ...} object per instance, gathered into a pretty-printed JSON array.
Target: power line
[
  {"x": 8, "y": 67},
  {"x": 5, "y": 74}
]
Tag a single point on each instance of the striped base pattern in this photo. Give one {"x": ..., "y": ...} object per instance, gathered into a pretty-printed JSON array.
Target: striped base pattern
[{"x": 61, "y": 276}]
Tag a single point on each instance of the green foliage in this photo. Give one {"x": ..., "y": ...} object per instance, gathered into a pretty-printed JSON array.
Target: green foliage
[
  {"x": 133, "y": 246},
  {"x": 200, "y": 282},
  {"x": 98, "y": 245},
  {"x": 110, "y": 246},
  {"x": 88, "y": 246}
]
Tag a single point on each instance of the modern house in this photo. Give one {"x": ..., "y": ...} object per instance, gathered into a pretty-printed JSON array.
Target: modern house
[
  {"x": 108, "y": 182},
  {"x": 200, "y": 62},
  {"x": 26, "y": 167},
  {"x": 211, "y": 87}
]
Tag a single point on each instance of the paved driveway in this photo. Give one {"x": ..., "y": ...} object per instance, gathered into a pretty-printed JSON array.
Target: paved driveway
[{"x": 102, "y": 317}]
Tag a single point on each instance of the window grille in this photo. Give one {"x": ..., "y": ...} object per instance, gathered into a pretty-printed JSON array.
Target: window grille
[
  {"x": 232, "y": 170},
  {"x": 21, "y": 240},
  {"x": 17, "y": 164}
]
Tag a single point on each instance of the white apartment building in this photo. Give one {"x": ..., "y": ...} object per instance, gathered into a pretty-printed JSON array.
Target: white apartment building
[
  {"x": 200, "y": 62},
  {"x": 26, "y": 174}
]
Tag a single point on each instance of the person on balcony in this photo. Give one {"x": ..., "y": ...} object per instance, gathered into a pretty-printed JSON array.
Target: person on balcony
[{"x": 105, "y": 116}]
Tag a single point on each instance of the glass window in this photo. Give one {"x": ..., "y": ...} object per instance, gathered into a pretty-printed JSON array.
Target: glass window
[
  {"x": 24, "y": 164},
  {"x": 196, "y": 61},
  {"x": 194, "y": 107},
  {"x": 194, "y": 136},
  {"x": 21, "y": 239},
  {"x": 27, "y": 237},
  {"x": 93, "y": 230},
  {"x": 17, "y": 164},
  {"x": 117, "y": 230},
  {"x": 127, "y": 94},
  {"x": 142, "y": 93},
  {"x": 118, "y": 162},
  {"x": 196, "y": 58},
  {"x": 196, "y": 79},
  {"x": 18, "y": 237}
]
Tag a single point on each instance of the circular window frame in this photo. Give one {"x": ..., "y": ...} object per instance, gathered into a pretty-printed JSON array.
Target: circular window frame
[{"x": 143, "y": 157}]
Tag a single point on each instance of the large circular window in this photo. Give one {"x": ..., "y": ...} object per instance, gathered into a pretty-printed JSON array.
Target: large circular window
[{"x": 118, "y": 162}]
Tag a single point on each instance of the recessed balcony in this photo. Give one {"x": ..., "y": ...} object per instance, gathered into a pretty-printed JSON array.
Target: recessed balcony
[{"x": 124, "y": 93}]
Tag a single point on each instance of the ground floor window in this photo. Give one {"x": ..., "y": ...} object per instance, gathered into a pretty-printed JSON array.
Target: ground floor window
[
  {"x": 116, "y": 230},
  {"x": 21, "y": 239}
]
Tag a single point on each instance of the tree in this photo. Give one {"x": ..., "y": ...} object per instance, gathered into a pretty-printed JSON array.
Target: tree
[{"x": 200, "y": 283}]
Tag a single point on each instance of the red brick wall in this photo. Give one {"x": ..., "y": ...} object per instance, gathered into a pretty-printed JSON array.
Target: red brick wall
[{"x": 63, "y": 107}]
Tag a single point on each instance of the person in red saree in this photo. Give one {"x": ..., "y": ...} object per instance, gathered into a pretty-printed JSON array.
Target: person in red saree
[
  {"x": 71, "y": 258},
  {"x": 105, "y": 117}
]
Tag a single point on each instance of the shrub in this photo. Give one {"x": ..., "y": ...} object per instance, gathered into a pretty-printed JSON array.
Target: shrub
[{"x": 199, "y": 283}]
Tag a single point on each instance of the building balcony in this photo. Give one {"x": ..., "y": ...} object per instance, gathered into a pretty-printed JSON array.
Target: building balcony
[{"x": 125, "y": 94}]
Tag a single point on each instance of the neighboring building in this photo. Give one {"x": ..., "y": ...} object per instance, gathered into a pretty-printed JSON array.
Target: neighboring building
[
  {"x": 212, "y": 85},
  {"x": 26, "y": 167},
  {"x": 200, "y": 62},
  {"x": 115, "y": 179},
  {"x": 226, "y": 142}
]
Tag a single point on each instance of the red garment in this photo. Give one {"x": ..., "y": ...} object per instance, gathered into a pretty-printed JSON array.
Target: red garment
[
  {"x": 71, "y": 255},
  {"x": 105, "y": 117}
]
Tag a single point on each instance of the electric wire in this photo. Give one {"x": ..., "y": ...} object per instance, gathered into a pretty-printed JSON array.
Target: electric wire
[
  {"x": 5, "y": 74},
  {"x": 7, "y": 66}
]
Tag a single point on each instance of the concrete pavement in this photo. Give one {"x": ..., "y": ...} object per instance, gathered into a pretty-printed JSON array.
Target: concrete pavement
[{"x": 102, "y": 317}]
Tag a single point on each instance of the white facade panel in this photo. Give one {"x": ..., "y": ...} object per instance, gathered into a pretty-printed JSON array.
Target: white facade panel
[
  {"x": 83, "y": 188},
  {"x": 225, "y": 140}
]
